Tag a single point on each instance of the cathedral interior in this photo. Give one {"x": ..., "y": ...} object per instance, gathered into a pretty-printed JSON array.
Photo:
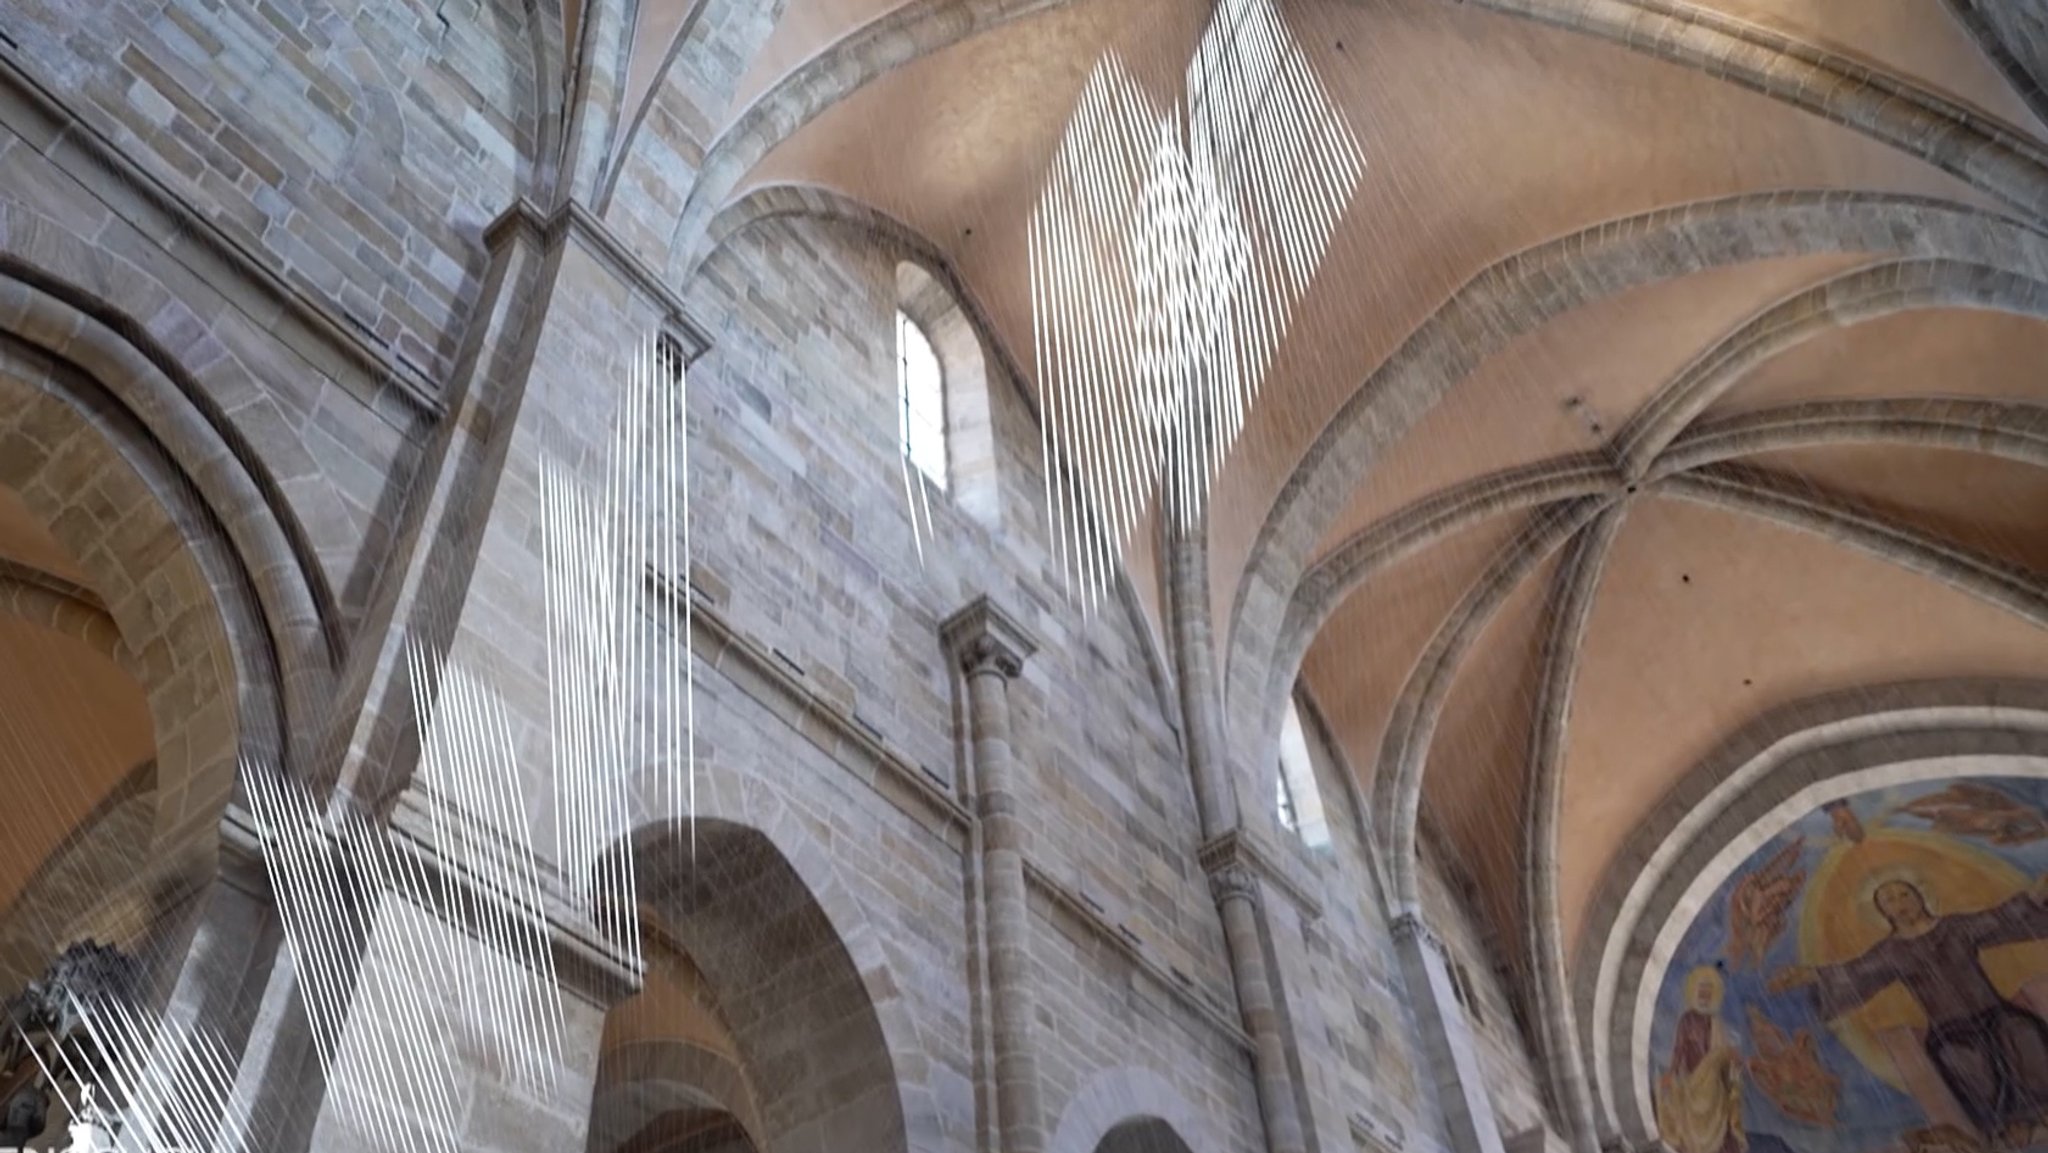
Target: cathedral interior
[{"x": 1024, "y": 576}]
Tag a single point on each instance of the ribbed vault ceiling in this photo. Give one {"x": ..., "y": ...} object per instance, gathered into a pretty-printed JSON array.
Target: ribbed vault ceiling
[{"x": 1759, "y": 385}]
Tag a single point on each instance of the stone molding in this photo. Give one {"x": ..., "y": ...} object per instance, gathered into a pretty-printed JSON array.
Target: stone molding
[
  {"x": 982, "y": 638},
  {"x": 1527, "y": 289},
  {"x": 1786, "y": 501},
  {"x": 1233, "y": 882},
  {"x": 57, "y": 604},
  {"x": 1411, "y": 726},
  {"x": 1976, "y": 148},
  {"x": 1855, "y": 297},
  {"x": 47, "y": 123},
  {"x": 1081, "y": 911},
  {"x": 752, "y": 667},
  {"x": 584, "y": 961},
  {"x": 1127, "y": 1093},
  {"x": 1409, "y": 927},
  {"x": 1573, "y": 593},
  {"x": 1235, "y": 859},
  {"x": 573, "y": 221}
]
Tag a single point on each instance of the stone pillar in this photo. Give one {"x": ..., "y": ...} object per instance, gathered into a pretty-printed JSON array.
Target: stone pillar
[
  {"x": 990, "y": 648},
  {"x": 1236, "y": 892},
  {"x": 1446, "y": 1039},
  {"x": 1231, "y": 882}
]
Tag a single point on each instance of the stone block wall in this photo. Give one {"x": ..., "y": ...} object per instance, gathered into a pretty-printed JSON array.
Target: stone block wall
[
  {"x": 1360, "y": 1045},
  {"x": 372, "y": 144},
  {"x": 1504, "y": 1054},
  {"x": 360, "y": 146},
  {"x": 333, "y": 440}
]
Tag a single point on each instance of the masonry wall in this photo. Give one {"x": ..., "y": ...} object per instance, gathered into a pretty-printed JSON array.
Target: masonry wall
[
  {"x": 360, "y": 145},
  {"x": 354, "y": 150},
  {"x": 802, "y": 531},
  {"x": 332, "y": 440},
  {"x": 1511, "y": 1073},
  {"x": 1364, "y": 1059}
]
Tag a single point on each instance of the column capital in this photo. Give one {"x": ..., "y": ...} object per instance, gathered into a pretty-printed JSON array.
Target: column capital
[
  {"x": 982, "y": 637},
  {"x": 1231, "y": 882},
  {"x": 1411, "y": 927}
]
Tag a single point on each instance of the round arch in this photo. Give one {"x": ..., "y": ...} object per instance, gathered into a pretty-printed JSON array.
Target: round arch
[
  {"x": 214, "y": 614},
  {"x": 763, "y": 915},
  {"x": 1790, "y": 759},
  {"x": 1127, "y": 1110}
]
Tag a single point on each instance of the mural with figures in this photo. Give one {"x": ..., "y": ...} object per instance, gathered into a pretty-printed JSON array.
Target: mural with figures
[{"x": 1873, "y": 979}]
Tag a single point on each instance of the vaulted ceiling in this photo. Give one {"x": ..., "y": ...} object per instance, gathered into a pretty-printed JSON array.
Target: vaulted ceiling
[
  {"x": 73, "y": 724},
  {"x": 1673, "y": 362}
]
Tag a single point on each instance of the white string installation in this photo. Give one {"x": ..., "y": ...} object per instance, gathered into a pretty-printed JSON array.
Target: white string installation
[
  {"x": 1167, "y": 254},
  {"x": 368, "y": 923},
  {"x": 621, "y": 699}
]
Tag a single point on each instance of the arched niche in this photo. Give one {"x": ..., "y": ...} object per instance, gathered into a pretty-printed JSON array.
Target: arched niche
[
  {"x": 753, "y": 1010},
  {"x": 1142, "y": 1135}
]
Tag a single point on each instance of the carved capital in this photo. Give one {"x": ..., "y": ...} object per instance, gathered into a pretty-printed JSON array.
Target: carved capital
[
  {"x": 1231, "y": 882},
  {"x": 984, "y": 639},
  {"x": 1411, "y": 927}
]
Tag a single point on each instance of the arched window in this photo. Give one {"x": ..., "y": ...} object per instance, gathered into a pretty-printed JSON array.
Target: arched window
[
  {"x": 920, "y": 401},
  {"x": 1300, "y": 802}
]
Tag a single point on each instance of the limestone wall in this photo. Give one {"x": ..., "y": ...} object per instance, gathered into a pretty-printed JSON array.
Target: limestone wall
[
  {"x": 361, "y": 146},
  {"x": 1511, "y": 1074}
]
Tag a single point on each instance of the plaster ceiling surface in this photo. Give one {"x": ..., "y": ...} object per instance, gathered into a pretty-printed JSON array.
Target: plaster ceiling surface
[
  {"x": 1364, "y": 653},
  {"x": 1474, "y": 789},
  {"x": 1567, "y": 386},
  {"x": 73, "y": 725},
  {"x": 1457, "y": 111},
  {"x": 1915, "y": 39},
  {"x": 1705, "y": 619},
  {"x": 806, "y": 28},
  {"x": 1935, "y": 352},
  {"x": 1990, "y": 505},
  {"x": 1486, "y": 135}
]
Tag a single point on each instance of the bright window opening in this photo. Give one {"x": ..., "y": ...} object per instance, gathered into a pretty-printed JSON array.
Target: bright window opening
[
  {"x": 1301, "y": 804},
  {"x": 921, "y": 401}
]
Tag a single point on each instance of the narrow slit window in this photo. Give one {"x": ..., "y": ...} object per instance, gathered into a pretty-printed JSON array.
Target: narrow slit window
[
  {"x": 921, "y": 401},
  {"x": 1300, "y": 802}
]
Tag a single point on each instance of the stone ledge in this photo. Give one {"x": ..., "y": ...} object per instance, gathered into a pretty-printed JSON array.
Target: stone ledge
[
  {"x": 585, "y": 963},
  {"x": 573, "y": 221},
  {"x": 1236, "y": 847},
  {"x": 1074, "y": 906},
  {"x": 755, "y": 670},
  {"x": 310, "y": 327}
]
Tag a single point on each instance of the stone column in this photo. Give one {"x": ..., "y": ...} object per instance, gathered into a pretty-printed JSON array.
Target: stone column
[
  {"x": 1446, "y": 1039},
  {"x": 990, "y": 648},
  {"x": 1236, "y": 892},
  {"x": 1231, "y": 882}
]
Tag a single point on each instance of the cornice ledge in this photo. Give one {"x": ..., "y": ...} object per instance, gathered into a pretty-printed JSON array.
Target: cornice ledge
[
  {"x": 572, "y": 220},
  {"x": 826, "y": 723},
  {"x": 584, "y": 961},
  {"x": 408, "y": 382},
  {"x": 1071, "y": 903},
  {"x": 1237, "y": 848}
]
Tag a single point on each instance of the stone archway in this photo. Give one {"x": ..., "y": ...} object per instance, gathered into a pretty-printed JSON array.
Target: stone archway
[
  {"x": 1142, "y": 1135},
  {"x": 810, "y": 1061},
  {"x": 1789, "y": 760}
]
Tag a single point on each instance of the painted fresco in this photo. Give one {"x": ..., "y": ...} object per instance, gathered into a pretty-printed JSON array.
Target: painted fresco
[{"x": 1873, "y": 979}]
